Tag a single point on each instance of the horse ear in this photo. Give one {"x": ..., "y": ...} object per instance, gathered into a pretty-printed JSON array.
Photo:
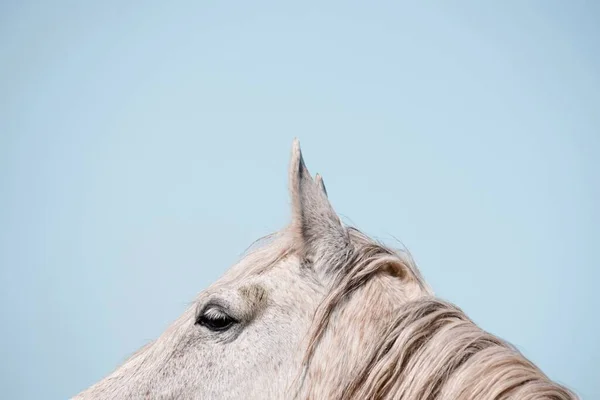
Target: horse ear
[
  {"x": 320, "y": 183},
  {"x": 317, "y": 226}
]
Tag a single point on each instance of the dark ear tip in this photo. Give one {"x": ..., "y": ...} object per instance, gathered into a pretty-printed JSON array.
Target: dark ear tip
[
  {"x": 298, "y": 167},
  {"x": 296, "y": 161},
  {"x": 320, "y": 183},
  {"x": 297, "y": 152}
]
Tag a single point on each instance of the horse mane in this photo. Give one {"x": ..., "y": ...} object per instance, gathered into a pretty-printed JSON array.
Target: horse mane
[{"x": 426, "y": 349}]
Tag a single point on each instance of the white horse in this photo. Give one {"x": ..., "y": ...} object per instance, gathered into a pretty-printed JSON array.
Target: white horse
[{"x": 321, "y": 311}]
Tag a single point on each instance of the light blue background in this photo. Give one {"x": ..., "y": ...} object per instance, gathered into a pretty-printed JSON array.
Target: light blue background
[{"x": 144, "y": 147}]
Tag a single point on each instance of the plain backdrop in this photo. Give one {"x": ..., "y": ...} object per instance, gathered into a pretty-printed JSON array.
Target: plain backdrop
[{"x": 144, "y": 146}]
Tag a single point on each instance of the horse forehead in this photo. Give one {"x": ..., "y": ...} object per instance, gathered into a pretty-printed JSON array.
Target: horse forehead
[{"x": 252, "y": 269}]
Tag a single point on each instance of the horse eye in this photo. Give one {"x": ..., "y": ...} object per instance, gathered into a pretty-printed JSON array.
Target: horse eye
[{"x": 215, "y": 320}]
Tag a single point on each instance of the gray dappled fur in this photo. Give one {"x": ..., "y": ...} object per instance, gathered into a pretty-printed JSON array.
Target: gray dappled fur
[{"x": 324, "y": 312}]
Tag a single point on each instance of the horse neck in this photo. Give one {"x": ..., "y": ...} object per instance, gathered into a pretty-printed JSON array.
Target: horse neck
[{"x": 384, "y": 344}]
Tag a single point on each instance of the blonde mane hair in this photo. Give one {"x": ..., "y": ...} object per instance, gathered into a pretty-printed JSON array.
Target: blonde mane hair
[{"x": 425, "y": 348}]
